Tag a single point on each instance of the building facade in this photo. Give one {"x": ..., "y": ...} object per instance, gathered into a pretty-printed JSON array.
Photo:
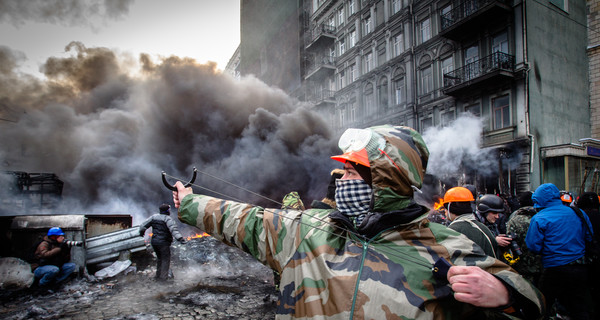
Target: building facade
[{"x": 520, "y": 65}]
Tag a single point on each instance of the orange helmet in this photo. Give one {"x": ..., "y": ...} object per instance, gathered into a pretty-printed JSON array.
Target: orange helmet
[
  {"x": 458, "y": 194},
  {"x": 360, "y": 157},
  {"x": 354, "y": 143},
  {"x": 565, "y": 196}
]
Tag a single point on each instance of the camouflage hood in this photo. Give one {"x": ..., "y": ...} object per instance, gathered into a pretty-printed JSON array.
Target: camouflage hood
[{"x": 398, "y": 159}]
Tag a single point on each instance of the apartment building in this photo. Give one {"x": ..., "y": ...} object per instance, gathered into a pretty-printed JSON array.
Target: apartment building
[{"x": 520, "y": 65}]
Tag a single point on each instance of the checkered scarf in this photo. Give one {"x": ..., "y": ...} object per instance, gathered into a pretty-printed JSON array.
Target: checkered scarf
[{"x": 353, "y": 198}]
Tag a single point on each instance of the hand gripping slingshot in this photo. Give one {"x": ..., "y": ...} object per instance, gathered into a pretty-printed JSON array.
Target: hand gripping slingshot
[{"x": 171, "y": 187}]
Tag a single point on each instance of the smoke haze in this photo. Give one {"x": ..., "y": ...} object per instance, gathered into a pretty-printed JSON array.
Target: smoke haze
[
  {"x": 458, "y": 144},
  {"x": 108, "y": 134},
  {"x": 62, "y": 12}
]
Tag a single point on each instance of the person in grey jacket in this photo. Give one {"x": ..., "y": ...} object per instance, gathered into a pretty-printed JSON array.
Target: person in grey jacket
[{"x": 164, "y": 229}]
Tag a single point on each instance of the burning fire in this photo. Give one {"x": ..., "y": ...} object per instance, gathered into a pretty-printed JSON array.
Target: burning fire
[
  {"x": 198, "y": 235},
  {"x": 439, "y": 204}
]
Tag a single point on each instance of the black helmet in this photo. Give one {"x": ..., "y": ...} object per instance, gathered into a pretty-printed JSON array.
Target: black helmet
[{"x": 490, "y": 203}]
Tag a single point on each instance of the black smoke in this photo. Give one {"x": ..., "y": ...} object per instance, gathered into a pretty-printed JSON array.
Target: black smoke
[
  {"x": 108, "y": 133},
  {"x": 63, "y": 12}
]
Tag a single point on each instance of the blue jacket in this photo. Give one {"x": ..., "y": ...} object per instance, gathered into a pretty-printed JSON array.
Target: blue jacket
[{"x": 556, "y": 232}]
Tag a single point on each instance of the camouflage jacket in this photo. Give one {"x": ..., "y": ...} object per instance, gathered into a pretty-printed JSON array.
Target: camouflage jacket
[
  {"x": 529, "y": 264},
  {"x": 382, "y": 269},
  {"x": 329, "y": 273}
]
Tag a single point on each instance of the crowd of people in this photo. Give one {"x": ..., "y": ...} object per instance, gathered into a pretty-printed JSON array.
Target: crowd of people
[{"x": 542, "y": 235}]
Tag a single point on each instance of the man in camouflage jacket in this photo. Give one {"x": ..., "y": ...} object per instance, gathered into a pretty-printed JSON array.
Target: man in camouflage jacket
[
  {"x": 529, "y": 264},
  {"x": 381, "y": 269}
]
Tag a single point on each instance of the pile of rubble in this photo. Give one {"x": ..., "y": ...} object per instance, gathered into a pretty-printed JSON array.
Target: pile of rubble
[{"x": 211, "y": 281}]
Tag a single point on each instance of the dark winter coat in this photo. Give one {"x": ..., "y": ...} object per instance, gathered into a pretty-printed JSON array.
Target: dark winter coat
[
  {"x": 50, "y": 252},
  {"x": 164, "y": 229}
]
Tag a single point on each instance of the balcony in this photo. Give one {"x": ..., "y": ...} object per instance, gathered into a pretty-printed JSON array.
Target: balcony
[
  {"x": 321, "y": 97},
  {"x": 471, "y": 16},
  {"x": 321, "y": 36},
  {"x": 495, "y": 68},
  {"x": 320, "y": 67}
]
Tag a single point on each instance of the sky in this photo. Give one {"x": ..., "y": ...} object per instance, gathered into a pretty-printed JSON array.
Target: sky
[{"x": 205, "y": 30}]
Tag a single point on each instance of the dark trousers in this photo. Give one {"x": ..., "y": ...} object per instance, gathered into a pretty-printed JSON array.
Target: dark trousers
[
  {"x": 163, "y": 255},
  {"x": 569, "y": 285}
]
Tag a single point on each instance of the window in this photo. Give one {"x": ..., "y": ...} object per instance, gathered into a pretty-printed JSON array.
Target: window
[
  {"x": 331, "y": 22},
  {"x": 353, "y": 73},
  {"x": 342, "y": 79},
  {"x": 400, "y": 90},
  {"x": 332, "y": 52},
  {"x": 446, "y": 17},
  {"x": 426, "y": 123},
  {"x": 381, "y": 58},
  {"x": 396, "y": 6},
  {"x": 342, "y": 116},
  {"x": 369, "y": 102},
  {"x": 447, "y": 118},
  {"x": 398, "y": 44},
  {"x": 470, "y": 7},
  {"x": 447, "y": 65},
  {"x": 501, "y": 112},
  {"x": 369, "y": 109},
  {"x": 383, "y": 92},
  {"x": 446, "y": 10},
  {"x": 351, "y": 7},
  {"x": 425, "y": 30},
  {"x": 471, "y": 66},
  {"x": 426, "y": 80},
  {"x": 500, "y": 56},
  {"x": 474, "y": 109},
  {"x": 367, "y": 27},
  {"x": 561, "y": 4},
  {"x": 342, "y": 46},
  {"x": 352, "y": 38},
  {"x": 352, "y": 112},
  {"x": 500, "y": 43},
  {"x": 340, "y": 16},
  {"x": 368, "y": 62}
]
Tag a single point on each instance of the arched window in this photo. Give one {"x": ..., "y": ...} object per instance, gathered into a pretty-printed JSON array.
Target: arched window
[
  {"x": 369, "y": 101},
  {"x": 382, "y": 92},
  {"x": 399, "y": 86}
]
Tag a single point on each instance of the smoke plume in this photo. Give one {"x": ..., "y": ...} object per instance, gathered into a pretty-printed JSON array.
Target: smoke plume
[
  {"x": 62, "y": 12},
  {"x": 108, "y": 134},
  {"x": 457, "y": 146}
]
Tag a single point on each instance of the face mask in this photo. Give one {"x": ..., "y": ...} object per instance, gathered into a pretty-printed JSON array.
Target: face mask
[{"x": 352, "y": 197}]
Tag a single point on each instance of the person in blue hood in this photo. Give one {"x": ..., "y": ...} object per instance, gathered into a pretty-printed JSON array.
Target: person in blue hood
[{"x": 558, "y": 235}]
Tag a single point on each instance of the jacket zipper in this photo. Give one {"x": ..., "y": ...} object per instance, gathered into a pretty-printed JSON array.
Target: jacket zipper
[
  {"x": 365, "y": 245},
  {"x": 362, "y": 264}
]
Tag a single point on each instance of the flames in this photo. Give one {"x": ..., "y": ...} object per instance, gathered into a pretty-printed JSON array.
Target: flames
[
  {"x": 198, "y": 235},
  {"x": 438, "y": 204}
]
